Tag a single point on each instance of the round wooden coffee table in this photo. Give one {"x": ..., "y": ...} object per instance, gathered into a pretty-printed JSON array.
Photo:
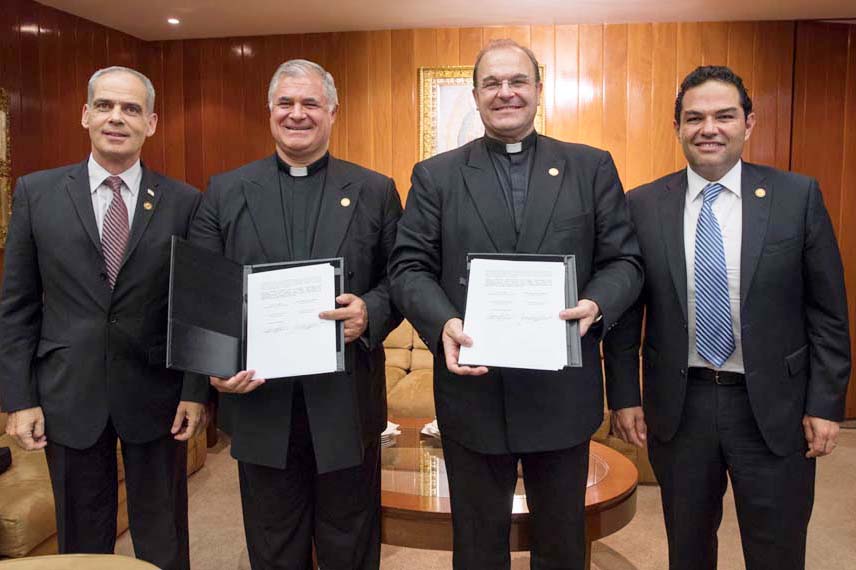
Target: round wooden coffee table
[{"x": 415, "y": 494}]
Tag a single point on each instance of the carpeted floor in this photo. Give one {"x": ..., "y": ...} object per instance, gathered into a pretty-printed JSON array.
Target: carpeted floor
[{"x": 217, "y": 536}]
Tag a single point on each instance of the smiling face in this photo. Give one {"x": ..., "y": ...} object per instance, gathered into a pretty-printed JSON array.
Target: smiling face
[
  {"x": 301, "y": 119},
  {"x": 506, "y": 94},
  {"x": 713, "y": 128},
  {"x": 117, "y": 120}
]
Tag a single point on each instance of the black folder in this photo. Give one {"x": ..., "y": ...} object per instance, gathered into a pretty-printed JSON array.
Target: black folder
[
  {"x": 572, "y": 328},
  {"x": 207, "y": 321}
]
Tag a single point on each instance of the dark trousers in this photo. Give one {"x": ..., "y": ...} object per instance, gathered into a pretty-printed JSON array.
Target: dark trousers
[
  {"x": 285, "y": 509},
  {"x": 717, "y": 439},
  {"x": 85, "y": 494},
  {"x": 481, "y": 489}
]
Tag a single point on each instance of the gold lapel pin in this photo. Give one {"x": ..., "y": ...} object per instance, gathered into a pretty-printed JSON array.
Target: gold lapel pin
[
  {"x": 147, "y": 205},
  {"x": 553, "y": 172},
  {"x": 345, "y": 202},
  {"x": 150, "y": 192},
  {"x": 760, "y": 192}
]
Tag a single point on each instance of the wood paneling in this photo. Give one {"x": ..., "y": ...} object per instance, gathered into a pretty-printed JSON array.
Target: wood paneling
[
  {"x": 46, "y": 59},
  {"x": 824, "y": 143},
  {"x": 611, "y": 86},
  {"x": 606, "y": 85}
]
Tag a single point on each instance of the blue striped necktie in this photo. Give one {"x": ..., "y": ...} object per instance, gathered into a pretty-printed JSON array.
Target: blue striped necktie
[{"x": 714, "y": 333}]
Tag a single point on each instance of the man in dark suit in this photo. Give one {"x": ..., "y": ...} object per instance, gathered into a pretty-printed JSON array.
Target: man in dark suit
[
  {"x": 83, "y": 330},
  {"x": 308, "y": 448},
  {"x": 514, "y": 191},
  {"x": 746, "y": 355}
]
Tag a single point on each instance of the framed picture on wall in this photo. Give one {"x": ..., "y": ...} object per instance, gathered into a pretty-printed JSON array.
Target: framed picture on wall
[
  {"x": 448, "y": 117},
  {"x": 5, "y": 167}
]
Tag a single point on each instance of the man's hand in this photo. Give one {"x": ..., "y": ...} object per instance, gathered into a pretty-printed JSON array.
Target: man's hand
[
  {"x": 586, "y": 312},
  {"x": 629, "y": 425},
  {"x": 453, "y": 338},
  {"x": 27, "y": 428},
  {"x": 190, "y": 419},
  {"x": 820, "y": 435},
  {"x": 353, "y": 311},
  {"x": 240, "y": 383}
]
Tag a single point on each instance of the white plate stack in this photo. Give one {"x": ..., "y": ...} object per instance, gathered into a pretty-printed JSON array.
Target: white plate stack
[
  {"x": 387, "y": 438},
  {"x": 431, "y": 429}
]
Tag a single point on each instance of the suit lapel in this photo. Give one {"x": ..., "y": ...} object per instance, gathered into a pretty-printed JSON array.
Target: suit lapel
[
  {"x": 261, "y": 191},
  {"x": 541, "y": 196},
  {"x": 81, "y": 196},
  {"x": 672, "y": 202},
  {"x": 483, "y": 187},
  {"x": 756, "y": 214},
  {"x": 148, "y": 198},
  {"x": 338, "y": 203}
]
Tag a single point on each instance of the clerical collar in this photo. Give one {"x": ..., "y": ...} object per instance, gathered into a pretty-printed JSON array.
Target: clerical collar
[
  {"x": 511, "y": 148},
  {"x": 302, "y": 171}
]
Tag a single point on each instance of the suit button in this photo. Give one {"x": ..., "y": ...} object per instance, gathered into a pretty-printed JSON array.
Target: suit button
[
  {"x": 102, "y": 276},
  {"x": 683, "y": 372},
  {"x": 350, "y": 274},
  {"x": 113, "y": 320},
  {"x": 685, "y": 326}
]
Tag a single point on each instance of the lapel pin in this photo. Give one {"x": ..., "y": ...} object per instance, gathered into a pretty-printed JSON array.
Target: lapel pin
[
  {"x": 147, "y": 205},
  {"x": 760, "y": 192},
  {"x": 150, "y": 192},
  {"x": 553, "y": 172},
  {"x": 345, "y": 202}
]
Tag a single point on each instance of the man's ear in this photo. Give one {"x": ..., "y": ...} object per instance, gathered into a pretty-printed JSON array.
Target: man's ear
[
  {"x": 151, "y": 124},
  {"x": 84, "y": 118},
  {"x": 750, "y": 124}
]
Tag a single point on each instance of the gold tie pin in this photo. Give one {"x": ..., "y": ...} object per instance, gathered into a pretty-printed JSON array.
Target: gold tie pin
[{"x": 147, "y": 205}]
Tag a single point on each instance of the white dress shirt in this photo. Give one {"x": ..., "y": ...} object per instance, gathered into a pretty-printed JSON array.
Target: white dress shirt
[
  {"x": 728, "y": 210},
  {"x": 102, "y": 195}
]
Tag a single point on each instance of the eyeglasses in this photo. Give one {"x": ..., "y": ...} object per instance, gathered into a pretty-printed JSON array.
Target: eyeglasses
[{"x": 514, "y": 84}]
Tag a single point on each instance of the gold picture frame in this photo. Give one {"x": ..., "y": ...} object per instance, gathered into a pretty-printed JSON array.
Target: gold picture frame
[
  {"x": 448, "y": 117},
  {"x": 5, "y": 167}
]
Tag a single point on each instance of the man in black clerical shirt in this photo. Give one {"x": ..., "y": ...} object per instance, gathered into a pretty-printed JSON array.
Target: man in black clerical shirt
[
  {"x": 308, "y": 448},
  {"x": 514, "y": 191}
]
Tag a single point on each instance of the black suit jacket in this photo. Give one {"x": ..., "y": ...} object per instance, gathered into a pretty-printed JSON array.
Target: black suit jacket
[
  {"x": 793, "y": 308},
  {"x": 455, "y": 207},
  {"x": 241, "y": 217},
  {"x": 67, "y": 342}
]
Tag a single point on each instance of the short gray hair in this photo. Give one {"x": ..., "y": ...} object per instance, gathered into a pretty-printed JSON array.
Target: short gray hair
[
  {"x": 302, "y": 68},
  {"x": 150, "y": 89}
]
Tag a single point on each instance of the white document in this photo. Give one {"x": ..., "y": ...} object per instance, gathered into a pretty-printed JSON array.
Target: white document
[
  {"x": 513, "y": 315},
  {"x": 285, "y": 336}
]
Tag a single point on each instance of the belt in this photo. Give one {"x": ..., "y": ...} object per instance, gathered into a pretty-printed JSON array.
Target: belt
[{"x": 719, "y": 377}]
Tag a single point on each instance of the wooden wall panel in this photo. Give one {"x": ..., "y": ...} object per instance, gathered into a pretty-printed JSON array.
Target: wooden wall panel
[
  {"x": 606, "y": 85},
  {"x": 565, "y": 118},
  {"x": 380, "y": 100},
  {"x": 47, "y": 58},
  {"x": 171, "y": 121},
  {"x": 824, "y": 144},
  {"x": 543, "y": 42},
  {"x": 404, "y": 107},
  {"x": 847, "y": 235},
  {"x": 360, "y": 145},
  {"x": 640, "y": 117},
  {"x": 615, "y": 85},
  {"x": 590, "y": 80}
]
